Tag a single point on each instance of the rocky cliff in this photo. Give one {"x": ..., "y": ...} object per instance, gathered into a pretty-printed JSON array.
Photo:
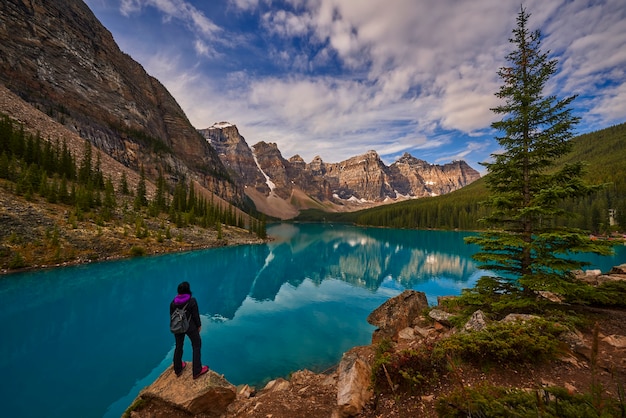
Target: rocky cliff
[
  {"x": 358, "y": 182},
  {"x": 58, "y": 57}
]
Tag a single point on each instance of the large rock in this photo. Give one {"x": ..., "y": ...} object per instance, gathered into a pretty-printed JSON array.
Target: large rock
[
  {"x": 353, "y": 384},
  {"x": 621, "y": 269},
  {"x": 208, "y": 395},
  {"x": 396, "y": 314},
  {"x": 441, "y": 316},
  {"x": 477, "y": 322}
]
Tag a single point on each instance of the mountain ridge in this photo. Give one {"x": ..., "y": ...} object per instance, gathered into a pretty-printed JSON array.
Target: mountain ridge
[
  {"x": 60, "y": 59},
  {"x": 358, "y": 182}
]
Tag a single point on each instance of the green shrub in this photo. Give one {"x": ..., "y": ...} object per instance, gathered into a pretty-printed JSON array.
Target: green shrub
[
  {"x": 607, "y": 294},
  {"x": 409, "y": 371},
  {"x": 503, "y": 343},
  {"x": 137, "y": 251},
  {"x": 496, "y": 297},
  {"x": 17, "y": 261},
  {"x": 495, "y": 401}
]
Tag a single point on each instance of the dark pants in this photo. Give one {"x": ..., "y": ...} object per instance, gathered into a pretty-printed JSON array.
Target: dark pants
[{"x": 196, "y": 343}]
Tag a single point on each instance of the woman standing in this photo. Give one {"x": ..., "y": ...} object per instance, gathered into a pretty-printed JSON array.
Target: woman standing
[{"x": 193, "y": 332}]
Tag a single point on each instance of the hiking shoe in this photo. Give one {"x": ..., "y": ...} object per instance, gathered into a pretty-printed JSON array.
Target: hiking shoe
[
  {"x": 181, "y": 370},
  {"x": 202, "y": 371}
]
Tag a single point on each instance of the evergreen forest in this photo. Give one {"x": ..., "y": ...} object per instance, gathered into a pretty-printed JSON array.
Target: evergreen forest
[
  {"x": 33, "y": 167},
  {"x": 604, "y": 155}
]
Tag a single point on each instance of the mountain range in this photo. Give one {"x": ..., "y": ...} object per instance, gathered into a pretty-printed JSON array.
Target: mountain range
[
  {"x": 59, "y": 59},
  {"x": 282, "y": 187}
]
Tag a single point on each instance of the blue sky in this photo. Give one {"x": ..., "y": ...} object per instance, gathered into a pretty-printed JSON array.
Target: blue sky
[{"x": 337, "y": 78}]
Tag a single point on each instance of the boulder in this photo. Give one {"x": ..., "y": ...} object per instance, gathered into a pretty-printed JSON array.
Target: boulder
[
  {"x": 575, "y": 341},
  {"x": 551, "y": 296},
  {"x": 621, "y": 269},
  {"x": 407, "y": 333},
  {"x": 477, "y": 322},
  {"x": 611, "y": 277},
  {"x": 209, "y": 395},
  {"x": 397, "y": 314},
  {"x": 277, "y": 385},
  {"x": 440, "y": 316},
  {"x": 617, "y": 341},
  {"x": 353, "y": 384}
]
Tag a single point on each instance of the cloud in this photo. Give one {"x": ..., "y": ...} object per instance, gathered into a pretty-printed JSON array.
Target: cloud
[
  {"x": 183, "y": 11},
  {"x": 612, "y": 107},
  {"x": 339, "y": 77}
]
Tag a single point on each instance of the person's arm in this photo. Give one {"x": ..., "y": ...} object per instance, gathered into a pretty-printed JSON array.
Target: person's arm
[{"x": 195, "y": 314}]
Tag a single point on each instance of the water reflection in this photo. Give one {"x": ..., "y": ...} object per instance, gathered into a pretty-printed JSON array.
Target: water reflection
[{"x": 361, "y": 256}]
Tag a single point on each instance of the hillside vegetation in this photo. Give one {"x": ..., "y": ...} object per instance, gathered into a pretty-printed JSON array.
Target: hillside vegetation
[
  {"x": 604, "y": 153},
  {"x": 58, "y": 206}
]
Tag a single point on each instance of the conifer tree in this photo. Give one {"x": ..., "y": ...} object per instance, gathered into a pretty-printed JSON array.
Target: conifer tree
[
  {"x": 525, "y": 247},
  {"x": 109, "y": 202},
  {"x": 124, "y": 184},
  {"x": 159, "y": 203},
  {"x": 140, "y": 196},
  {"x": 84, "y": 172}
]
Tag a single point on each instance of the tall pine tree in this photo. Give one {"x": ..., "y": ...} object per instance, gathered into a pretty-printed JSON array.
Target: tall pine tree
[{"x": 524, "y": 245}]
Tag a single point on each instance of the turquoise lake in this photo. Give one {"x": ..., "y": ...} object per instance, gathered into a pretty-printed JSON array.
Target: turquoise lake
[{"x": 83, "y": 341}]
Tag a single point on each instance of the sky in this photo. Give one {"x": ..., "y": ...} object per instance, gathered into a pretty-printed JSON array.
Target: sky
[{"x": 337, "y": 78}]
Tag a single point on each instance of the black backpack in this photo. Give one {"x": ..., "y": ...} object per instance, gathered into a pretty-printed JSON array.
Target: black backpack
[{"x": 179, "y": 323}]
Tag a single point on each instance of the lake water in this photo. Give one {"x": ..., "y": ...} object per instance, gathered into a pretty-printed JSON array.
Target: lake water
[{"x": 83, "y": 341}]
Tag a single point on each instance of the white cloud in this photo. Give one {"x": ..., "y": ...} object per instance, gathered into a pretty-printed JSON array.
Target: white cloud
[
  {"x": 612, "y": 107},
  {"x": 403, "y": 71},
  {"x": 184, "y": 11},
  {"x": 246, "y": 5}
]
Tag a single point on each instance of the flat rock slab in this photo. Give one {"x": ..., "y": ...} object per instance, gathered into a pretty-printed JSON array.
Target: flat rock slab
[{"x": 208, "y": 395}]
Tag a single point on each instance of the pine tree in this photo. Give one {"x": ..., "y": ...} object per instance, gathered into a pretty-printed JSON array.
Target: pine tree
[
  {"x": 124, "y": 184},
  {"x": 159, "y": 203},
  {"x": 525, "y": 246},
  {"x": 140, "y": 196},
  {"x": 109, "y": 202},
  {"x": 85, "y": 171}
]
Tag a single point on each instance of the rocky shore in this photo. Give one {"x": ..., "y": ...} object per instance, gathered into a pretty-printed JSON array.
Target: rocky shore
[{"x": 408, "y": 322}]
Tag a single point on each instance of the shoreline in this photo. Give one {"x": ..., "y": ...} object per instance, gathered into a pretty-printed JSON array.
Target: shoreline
[{"x": 233, "y": 236}]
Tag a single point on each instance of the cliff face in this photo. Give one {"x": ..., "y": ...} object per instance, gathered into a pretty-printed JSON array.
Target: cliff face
[
  {"x": 415, "y": 177},
  {"x": 57, "y": 56},
  {"x": 347, "y": 185},
  {"x": 236, "y": 155}
]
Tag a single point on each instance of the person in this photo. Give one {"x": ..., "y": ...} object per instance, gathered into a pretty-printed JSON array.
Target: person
[{"x": 193, "y": 332}]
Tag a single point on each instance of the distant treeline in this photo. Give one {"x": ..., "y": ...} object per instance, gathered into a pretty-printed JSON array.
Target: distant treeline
[
  {"x": 33, "y": 166},
  {"x": 604, "y": 152}
]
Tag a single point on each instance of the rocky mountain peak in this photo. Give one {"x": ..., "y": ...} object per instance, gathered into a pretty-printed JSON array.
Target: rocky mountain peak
[
  {"x": 360, "y": 181},
  {"x": 222, "y": 125},
  {"x": 411, "y": 161},
  {"x": 236, "y": 155}
]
